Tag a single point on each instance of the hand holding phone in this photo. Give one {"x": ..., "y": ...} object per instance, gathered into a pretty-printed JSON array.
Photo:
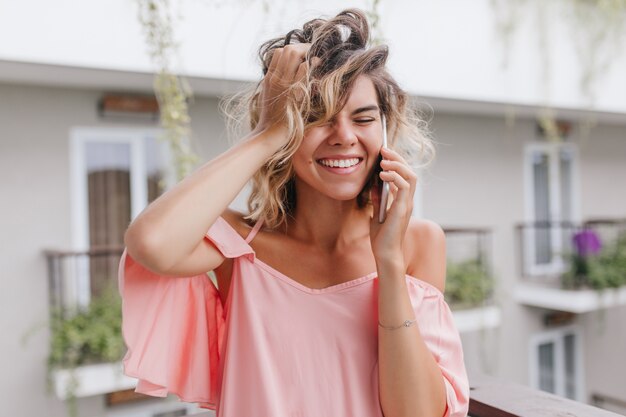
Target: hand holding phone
[{"x": 384, "y": 189}]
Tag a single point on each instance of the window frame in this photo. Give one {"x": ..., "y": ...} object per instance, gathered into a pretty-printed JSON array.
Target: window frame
[
  {"x": 558, "y": 265},
  {"x": 79, "y": 138},
  {"x": 557, "y": 338}
]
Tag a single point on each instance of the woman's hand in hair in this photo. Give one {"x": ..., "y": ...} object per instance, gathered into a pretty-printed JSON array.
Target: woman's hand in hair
[
  {"x": 387, "y": 238},
  {"x": 287, "y": 67}
]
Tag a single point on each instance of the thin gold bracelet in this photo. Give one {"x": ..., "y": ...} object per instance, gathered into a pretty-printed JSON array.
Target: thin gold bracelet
[{"x": 406, "y": 323}]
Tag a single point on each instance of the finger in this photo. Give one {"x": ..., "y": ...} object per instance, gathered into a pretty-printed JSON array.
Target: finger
[
  {"x": 290, "y": 58},
  {"x": 389, "y": 153},
  {"x": 315, "y": 61},
  {"x": 294, "y": 56},
  {"x": 274, "y": 61},
  {"x": 301, "y": 73},
  {"x": 394, "y": 189},
  {"x": 404, "y": 170},
  {"x": 400, "y": 167},
  {"x": 403, "y": 194},
  {"x": 300, "y": 81},
  {"x": 394, "y": 177}
]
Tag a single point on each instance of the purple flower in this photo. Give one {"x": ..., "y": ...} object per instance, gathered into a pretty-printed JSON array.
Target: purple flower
[{"x": 587, "y": 242}]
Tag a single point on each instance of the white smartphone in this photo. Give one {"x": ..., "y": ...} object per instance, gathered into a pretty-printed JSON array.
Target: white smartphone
[{"x": 384, "y": 192}]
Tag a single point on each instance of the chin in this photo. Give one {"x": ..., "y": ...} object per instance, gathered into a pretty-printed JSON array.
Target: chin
[
  {"x": 343, "y": 195},
  {"x": 341, "y": 191}
]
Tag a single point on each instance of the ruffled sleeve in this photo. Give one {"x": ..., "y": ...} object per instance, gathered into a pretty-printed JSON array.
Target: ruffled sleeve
[
  {"x": 173, "y": 327},
  {"x": 442, "y": 338}
]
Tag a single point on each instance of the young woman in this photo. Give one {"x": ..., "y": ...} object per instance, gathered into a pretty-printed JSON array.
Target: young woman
[{"x": 320, "y": 309}]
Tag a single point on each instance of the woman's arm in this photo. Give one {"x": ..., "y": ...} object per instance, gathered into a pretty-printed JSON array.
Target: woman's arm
[
  {"x": 169, "y": 234},
  {"x": 410, "y": 381},
  {"x": 172, "y": 226}
]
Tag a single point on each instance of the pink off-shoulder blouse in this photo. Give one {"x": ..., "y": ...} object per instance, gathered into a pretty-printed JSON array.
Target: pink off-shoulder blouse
[{"x": 276, "y": 348}]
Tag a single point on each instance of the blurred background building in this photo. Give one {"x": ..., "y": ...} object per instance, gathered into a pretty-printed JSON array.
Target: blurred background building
[{"x": 528, "y": 183}]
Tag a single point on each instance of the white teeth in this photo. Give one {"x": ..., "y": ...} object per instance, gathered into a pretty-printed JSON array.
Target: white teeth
[{"x": 341, "y": 163}]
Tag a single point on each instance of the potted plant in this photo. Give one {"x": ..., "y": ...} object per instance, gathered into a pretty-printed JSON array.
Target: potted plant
[
  {"x": 468, "y": 284},
  {"x": 86, "y": 347},
  {"x": 594, "y": 266}
]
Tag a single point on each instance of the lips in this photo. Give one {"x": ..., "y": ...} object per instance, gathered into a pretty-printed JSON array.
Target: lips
[
  {"x": 339, "y": 169},
  {"x": 340, "y": 157}
]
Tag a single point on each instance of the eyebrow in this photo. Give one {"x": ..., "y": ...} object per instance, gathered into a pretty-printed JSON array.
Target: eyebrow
[{"x": 364, "y": 109}]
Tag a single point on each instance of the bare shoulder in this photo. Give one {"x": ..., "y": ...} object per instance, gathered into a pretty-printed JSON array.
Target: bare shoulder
[
  {"x": 424, "y": 230},
  {"x": 224, "y": 271},
  {"x": 237, "y": 221},
  {"x": 426, "y": 244}
]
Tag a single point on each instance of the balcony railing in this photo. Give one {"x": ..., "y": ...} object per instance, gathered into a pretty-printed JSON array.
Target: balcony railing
[
  {"x": 492, "y": 397},
  {"x": 470, "y": 282},
  {"x": 573, "y": 256},
  {"x": 469, "y": 278},
  {"x": 75, "y": 277},
  {"x": 575, "y": 268},
  {"x": 86, "y": 343}
]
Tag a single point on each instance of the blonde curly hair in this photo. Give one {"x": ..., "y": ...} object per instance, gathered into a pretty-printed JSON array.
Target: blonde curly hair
[{"x": 342, "y": 44}]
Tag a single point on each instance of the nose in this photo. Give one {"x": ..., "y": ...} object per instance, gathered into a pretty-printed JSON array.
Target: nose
[{"x": 342, "y": 134}]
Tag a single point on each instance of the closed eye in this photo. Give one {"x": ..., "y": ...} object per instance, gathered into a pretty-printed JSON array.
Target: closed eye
[{"x": 363, "y": 120}]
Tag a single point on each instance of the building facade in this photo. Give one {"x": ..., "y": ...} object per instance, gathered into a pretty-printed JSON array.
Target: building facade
[{"x": 75, "y": 175}]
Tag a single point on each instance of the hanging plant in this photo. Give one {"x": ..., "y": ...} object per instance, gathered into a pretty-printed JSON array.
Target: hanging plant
[
  {"x": 87, "y": 336},
  {"x": 549, "y": 125},
  {"x": 507, "y": 15},
  {"x": 173, "y": 92},
  {"x": 598, "y": 29},
  {"x": 373, "y": 15}
]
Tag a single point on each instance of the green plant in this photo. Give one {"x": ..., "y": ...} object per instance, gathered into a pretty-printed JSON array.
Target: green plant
[
  {"x": 607, "y": 269},
  {"x": 87, "y": 336},
  {"x": 373, "y": 14},
  {"x": 468, "y": 284},
  {"x": 598, "y": 30},
  {"x": 173, "y": 92}
]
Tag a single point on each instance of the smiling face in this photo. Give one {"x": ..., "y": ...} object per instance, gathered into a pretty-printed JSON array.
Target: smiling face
[{"x": 337, "y": 159}]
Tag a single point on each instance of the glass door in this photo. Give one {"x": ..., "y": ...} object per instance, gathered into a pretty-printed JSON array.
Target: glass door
[
  {"x": 556, "y": 363},
  {"x": 116, "y": 174},
  {"x": 551, "y": 205}
]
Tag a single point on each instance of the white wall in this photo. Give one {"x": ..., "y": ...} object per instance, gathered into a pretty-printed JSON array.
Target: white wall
[
  {"x": 34, "y": 165},
  {"x": 35, "y": 123},
  {"x": 605, "y": 337},
  {"x": 447, "y": 48},
  {"x": 477, "y": 181}
]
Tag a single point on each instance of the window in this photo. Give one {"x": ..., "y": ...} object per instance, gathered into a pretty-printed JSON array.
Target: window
[
  {"x": 556, "y": 364},
  {"x": 551, "y": 197},
  {"x": 115, "y": 174}
]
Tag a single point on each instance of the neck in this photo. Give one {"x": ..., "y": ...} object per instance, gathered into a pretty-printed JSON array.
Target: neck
[{"x": 328, "y": 224}]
